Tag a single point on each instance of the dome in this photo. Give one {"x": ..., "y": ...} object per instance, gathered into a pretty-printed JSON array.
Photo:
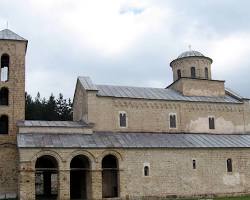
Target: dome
[{"x": 190, "y": 53}]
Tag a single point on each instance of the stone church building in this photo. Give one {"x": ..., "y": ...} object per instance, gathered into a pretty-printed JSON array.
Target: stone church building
[{"x": 191, "y": 138}]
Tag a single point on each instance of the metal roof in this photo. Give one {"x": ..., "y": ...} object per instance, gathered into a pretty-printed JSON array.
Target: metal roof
[
  {"x": 87, "y": 83},
  {"x": 35, "y": 123},
  {"x": 157, "y": 94},
  {"x": 190, "y": 53},
  {"x": 7, "y": 34},
  {"x": 132, "y": 140}
]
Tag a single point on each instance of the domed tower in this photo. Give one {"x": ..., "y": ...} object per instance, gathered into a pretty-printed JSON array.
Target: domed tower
[
  {"x": 192, "y": 76},
  {"x": 192, "y": 64}
]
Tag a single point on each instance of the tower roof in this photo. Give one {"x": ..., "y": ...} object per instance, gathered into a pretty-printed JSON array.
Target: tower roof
[
  {"x": 190, "y": 53},
  {"x": 7, "y": 34}
]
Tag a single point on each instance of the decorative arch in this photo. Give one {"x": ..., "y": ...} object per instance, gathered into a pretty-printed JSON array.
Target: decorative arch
[
  {"x": 111, "y": 152},
  {"x": 41, "y": 153}
]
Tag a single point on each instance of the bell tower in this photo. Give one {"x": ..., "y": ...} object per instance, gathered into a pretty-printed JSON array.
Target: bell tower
[{"x": 12, "y": 106}]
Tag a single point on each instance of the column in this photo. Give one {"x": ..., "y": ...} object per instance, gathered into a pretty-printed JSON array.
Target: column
[
  {"x": 96, "y": 176},
  {"x": 64, "y": 185}
]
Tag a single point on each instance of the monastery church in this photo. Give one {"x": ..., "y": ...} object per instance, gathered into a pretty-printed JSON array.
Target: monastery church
[{"x": 189, "y": 139}]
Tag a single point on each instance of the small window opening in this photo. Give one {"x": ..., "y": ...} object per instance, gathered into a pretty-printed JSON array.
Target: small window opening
[
  {"x": 179, "y": 73},
  {"x": 5, "y": 60},
  {"x": 4, "y": 96},
  {"x": 193, "y": 73},
  {"x": 123, "y": 120},
  {"x": 206, "y": 73},
  {"x": 229, "y": 165},
  {"x": 4, "y": 124},
  {"x": 172, "y": 118},
  {"x": 146, "y": 171},
  {"x": 211, "y": 123},
  {"x": 194, "y": 164}
]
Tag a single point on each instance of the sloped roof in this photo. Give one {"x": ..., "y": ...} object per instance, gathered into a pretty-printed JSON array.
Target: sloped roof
[
  {"x": 7, "y": 34},
  {"x": 132, "y": 140},
  {"x": 190, "y": 53}
]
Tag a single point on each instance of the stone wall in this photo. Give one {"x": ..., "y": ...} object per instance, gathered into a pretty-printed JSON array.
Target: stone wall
[{"x": 171, "y": 171}]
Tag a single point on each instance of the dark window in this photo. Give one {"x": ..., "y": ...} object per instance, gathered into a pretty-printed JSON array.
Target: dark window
[
  {"x": 179, "y": 73},
  {"x": 123, "y": 120},
  {"x": 193, "y": 73},
  {"x": 4, "y": 124},
  {"x": 172, "y": 118},
  {"x": 206, "y": 73},
  {"x": 146, "y": 171},
  {"x": 194, "y": 164},
  {"x": 4, "y": 96},
  {"x": 229, "y": 165},
  {"x": 5, "y": 61},
  {"x": 211, "y": 123}
]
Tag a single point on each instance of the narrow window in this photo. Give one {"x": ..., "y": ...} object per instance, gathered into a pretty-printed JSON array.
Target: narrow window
[
  {"x": 5, "y": 61},
  {"x": 206, "y": 73},
  {"x": 179, "y": 73},
  {"x": 211, "y": 123},
  {"x": 4, "y": 96},
  {"x": 4, "y": 124},
  {"x": 229, "y": 165},
  {"x": 193, "y": 73},
  {"x": 194, "y": 164},
  {"x": 123, "y": 119},
  {"x": 146, "y": 171},
  {"x": 172, "y": 120}
]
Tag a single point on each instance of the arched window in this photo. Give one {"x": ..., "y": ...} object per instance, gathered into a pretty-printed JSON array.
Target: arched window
[
  {"x": 46, "y": 177},
  {"x": 206, "y": 73},
  {"x": 5, "y": 62},
  {"x": 193, "y": 73},
  {"x": 4, "y": 124},
  {"x": 4, "y": 96},
  {"x": 122, "y": 119},
  {"x": 110, "y": 177},
  {"x": 229, "y": 165},
  {"x": 146, "y": 170},
  {"x": 179, "y": 73}
]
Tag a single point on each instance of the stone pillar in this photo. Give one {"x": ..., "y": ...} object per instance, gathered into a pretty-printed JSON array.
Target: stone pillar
[
  {"x": 96, "y": 184},
  {"x": 26, "y": 185},
  {"x": 64, "y": 185},
  {"x": 122, "y": 184}
]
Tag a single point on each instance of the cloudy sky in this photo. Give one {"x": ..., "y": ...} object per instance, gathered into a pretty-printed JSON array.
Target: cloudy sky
[{"x": 128, "y": 42}]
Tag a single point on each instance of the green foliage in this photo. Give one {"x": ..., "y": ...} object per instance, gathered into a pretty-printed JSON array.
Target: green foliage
[{"x": 59, "y": 109}]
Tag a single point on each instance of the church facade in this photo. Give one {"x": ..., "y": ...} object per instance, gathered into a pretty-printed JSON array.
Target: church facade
[{"x": 189, "y": 139}]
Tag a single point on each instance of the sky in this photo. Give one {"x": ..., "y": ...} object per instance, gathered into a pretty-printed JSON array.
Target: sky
[{"x": 127, "y": 42}]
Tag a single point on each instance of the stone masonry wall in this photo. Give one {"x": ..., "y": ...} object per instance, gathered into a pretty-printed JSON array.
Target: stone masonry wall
[{"x": 171, "y": 171}]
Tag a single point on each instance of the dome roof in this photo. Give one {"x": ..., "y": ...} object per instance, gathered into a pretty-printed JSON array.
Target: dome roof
[{"x": 190, "y": 53}]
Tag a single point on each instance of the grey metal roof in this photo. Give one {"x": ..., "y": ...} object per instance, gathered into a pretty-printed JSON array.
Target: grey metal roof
[
  {"x": 132, "y": 140},
  {"x": 190, "y": 53},
  {"x": 157, "y": 94},
  {"x": 87, "y": 83},
  {"x": 7, "y": 34},
  {"x": 35, "y": 123}
]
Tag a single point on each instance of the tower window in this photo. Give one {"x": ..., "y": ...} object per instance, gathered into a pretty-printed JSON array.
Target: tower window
[
  {"x": 211, "y": 123},
  {"x": 4, "y": 96},
  {"x": 4, "y": 124},
  {"x": 193, "y": 73},
  {"x": 172, "y": 120},
  {"x": 194, "y": 164},
  {"x": 5, "y": 62},
  {"x": 123, "y": 119},
  {"x": 146, "y": 171},
  {"x": 179, "y": 73},
  {"x": 229, "y": 165},
  {"x": 206, "y": 73}
]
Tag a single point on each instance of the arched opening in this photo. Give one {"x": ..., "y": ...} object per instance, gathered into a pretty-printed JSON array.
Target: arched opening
[
  {"x": 80, "y": 180},
  {"x": 179, "y": 73},
  {"x": 5, "y": 62},
  {"x": 46, "y": 178},
  {"x": 4, "y": 124},
  {"x": 110, "y": 177},
  {"x": 4, "y": 96},
  {"x": 206, "y": 73},
  {"x": 229, "y": 165},
  {"x": 146, "y": 170},
  {"x": 193, "y": 73}
]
